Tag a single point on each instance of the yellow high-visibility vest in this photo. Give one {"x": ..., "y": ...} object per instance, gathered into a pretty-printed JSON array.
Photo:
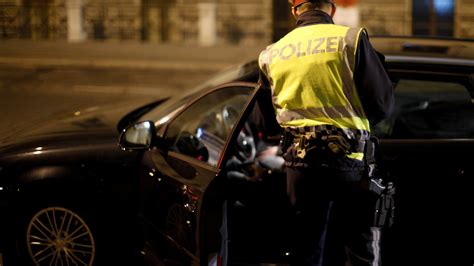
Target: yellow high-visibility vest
[{"x": 311, "y": 73}]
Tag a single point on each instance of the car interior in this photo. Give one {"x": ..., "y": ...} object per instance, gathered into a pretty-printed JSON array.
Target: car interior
[{"x": 201, "y": 131}]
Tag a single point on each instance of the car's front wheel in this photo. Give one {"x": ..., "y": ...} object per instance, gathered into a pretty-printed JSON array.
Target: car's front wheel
[{"x": 59, "y": 236}]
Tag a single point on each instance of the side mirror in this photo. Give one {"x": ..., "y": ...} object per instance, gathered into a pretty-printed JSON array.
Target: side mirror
[{"x": 138, "y": 136}]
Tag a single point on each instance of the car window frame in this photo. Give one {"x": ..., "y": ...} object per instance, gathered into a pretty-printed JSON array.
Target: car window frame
[
  {"x": 443, "y": 73},
  {"x": 164, "y": 128}
]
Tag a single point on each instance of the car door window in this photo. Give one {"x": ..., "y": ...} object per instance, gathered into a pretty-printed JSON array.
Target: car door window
[
  {"x": 430, "y": 110},
  {"x": 201, "y": 130}
]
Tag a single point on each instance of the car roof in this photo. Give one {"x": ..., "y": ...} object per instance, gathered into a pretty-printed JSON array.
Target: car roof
[{"x": 430, "y": 50}]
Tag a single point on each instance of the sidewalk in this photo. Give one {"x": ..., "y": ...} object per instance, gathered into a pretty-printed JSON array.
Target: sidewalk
[{"x": 110, "y": 54}]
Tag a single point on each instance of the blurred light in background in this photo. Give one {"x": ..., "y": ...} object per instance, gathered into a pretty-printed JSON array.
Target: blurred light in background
[{"x": 444, "y": 6}]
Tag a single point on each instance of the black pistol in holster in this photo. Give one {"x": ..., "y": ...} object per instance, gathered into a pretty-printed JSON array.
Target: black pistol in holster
[{"x": 383, "y": 189}]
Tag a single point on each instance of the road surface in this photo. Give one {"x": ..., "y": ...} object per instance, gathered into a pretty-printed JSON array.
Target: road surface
[{"x": 37, "y": 93}]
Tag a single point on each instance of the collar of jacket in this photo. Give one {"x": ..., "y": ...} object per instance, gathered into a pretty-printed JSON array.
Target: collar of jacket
[{"x": 313, "y": 17}]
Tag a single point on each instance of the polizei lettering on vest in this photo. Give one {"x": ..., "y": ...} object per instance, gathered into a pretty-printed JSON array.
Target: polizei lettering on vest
[{"x": 314, "y": 46}]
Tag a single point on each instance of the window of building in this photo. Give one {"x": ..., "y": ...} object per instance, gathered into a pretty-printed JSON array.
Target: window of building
[{"x": 433, "y": 17}]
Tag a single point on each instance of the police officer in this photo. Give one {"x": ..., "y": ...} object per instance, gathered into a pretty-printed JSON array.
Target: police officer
[{"x": 327, "y": 86}]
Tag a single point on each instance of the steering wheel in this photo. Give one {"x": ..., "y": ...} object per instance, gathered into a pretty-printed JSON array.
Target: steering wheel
[{"x": 246, "y": 149}]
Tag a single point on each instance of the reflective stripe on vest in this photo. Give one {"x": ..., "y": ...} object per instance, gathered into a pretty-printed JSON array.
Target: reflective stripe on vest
[{"x": 311, "y": 74}]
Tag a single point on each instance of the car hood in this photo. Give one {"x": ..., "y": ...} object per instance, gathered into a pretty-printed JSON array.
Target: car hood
[{"x": 89, "y": 133}]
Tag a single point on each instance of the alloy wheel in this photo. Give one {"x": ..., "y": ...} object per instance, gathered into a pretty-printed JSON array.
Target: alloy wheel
[{"x": 58, "y": 236}]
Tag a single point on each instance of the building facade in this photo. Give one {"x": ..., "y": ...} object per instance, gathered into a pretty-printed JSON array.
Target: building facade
[{"x": 214, "y": 22}]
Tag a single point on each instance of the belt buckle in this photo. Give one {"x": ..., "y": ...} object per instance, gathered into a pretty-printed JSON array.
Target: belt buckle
[{"x": 300, "y": 146}]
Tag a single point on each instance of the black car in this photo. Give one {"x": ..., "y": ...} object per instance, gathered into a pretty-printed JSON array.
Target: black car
[{"x": 195, "y": 181}]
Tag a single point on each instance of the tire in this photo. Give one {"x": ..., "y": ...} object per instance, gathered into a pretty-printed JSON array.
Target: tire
[
  {"x": 59, "y": 236},
  {"x": 99, "y": 236},
  {"x": 108, "y": 231},
  {"x": 62, "y": 218}
]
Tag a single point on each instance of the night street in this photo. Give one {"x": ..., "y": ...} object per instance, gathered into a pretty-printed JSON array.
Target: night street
[
  {"x": 236, "y": 133},
  {"x": 35, "y": 94},
  {"x": 38, "y": 80}
]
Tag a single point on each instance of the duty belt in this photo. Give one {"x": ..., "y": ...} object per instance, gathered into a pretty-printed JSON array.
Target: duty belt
[{"x": 355, "y": 138}]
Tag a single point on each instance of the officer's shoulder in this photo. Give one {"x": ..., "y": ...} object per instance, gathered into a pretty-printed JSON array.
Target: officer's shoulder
[
  {"x": 270, "y": 46},
  {"x": 273, "y": 45}
]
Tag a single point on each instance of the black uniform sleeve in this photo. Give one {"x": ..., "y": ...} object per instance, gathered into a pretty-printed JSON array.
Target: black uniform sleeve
[
  {"x": 373, "y": 84},
  {"x": 266, "y": 110}
]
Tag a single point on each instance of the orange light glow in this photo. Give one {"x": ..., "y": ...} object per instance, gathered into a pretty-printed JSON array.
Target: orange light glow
[{"x": 346, "y": 3}]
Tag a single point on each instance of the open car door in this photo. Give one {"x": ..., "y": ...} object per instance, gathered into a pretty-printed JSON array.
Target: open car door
[{"x": 256, "y": 222}]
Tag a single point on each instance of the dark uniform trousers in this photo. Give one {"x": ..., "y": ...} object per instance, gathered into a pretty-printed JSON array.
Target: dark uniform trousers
[{"x": 334, "y": 214}]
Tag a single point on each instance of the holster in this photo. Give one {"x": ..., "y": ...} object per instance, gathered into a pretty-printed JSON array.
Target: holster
[
  {"x": 384, "y": 213},
  {"x": 384, "y": 190}
]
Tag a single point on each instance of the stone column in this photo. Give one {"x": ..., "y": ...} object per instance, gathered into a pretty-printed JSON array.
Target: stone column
[
  {"x": 463, "y": 19},
  {"x": 207, "y": 23},
  {"x": 75, "y": 20},
  {"x": 347, "y": 13},
  {"x": 268, "y": 22}
]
